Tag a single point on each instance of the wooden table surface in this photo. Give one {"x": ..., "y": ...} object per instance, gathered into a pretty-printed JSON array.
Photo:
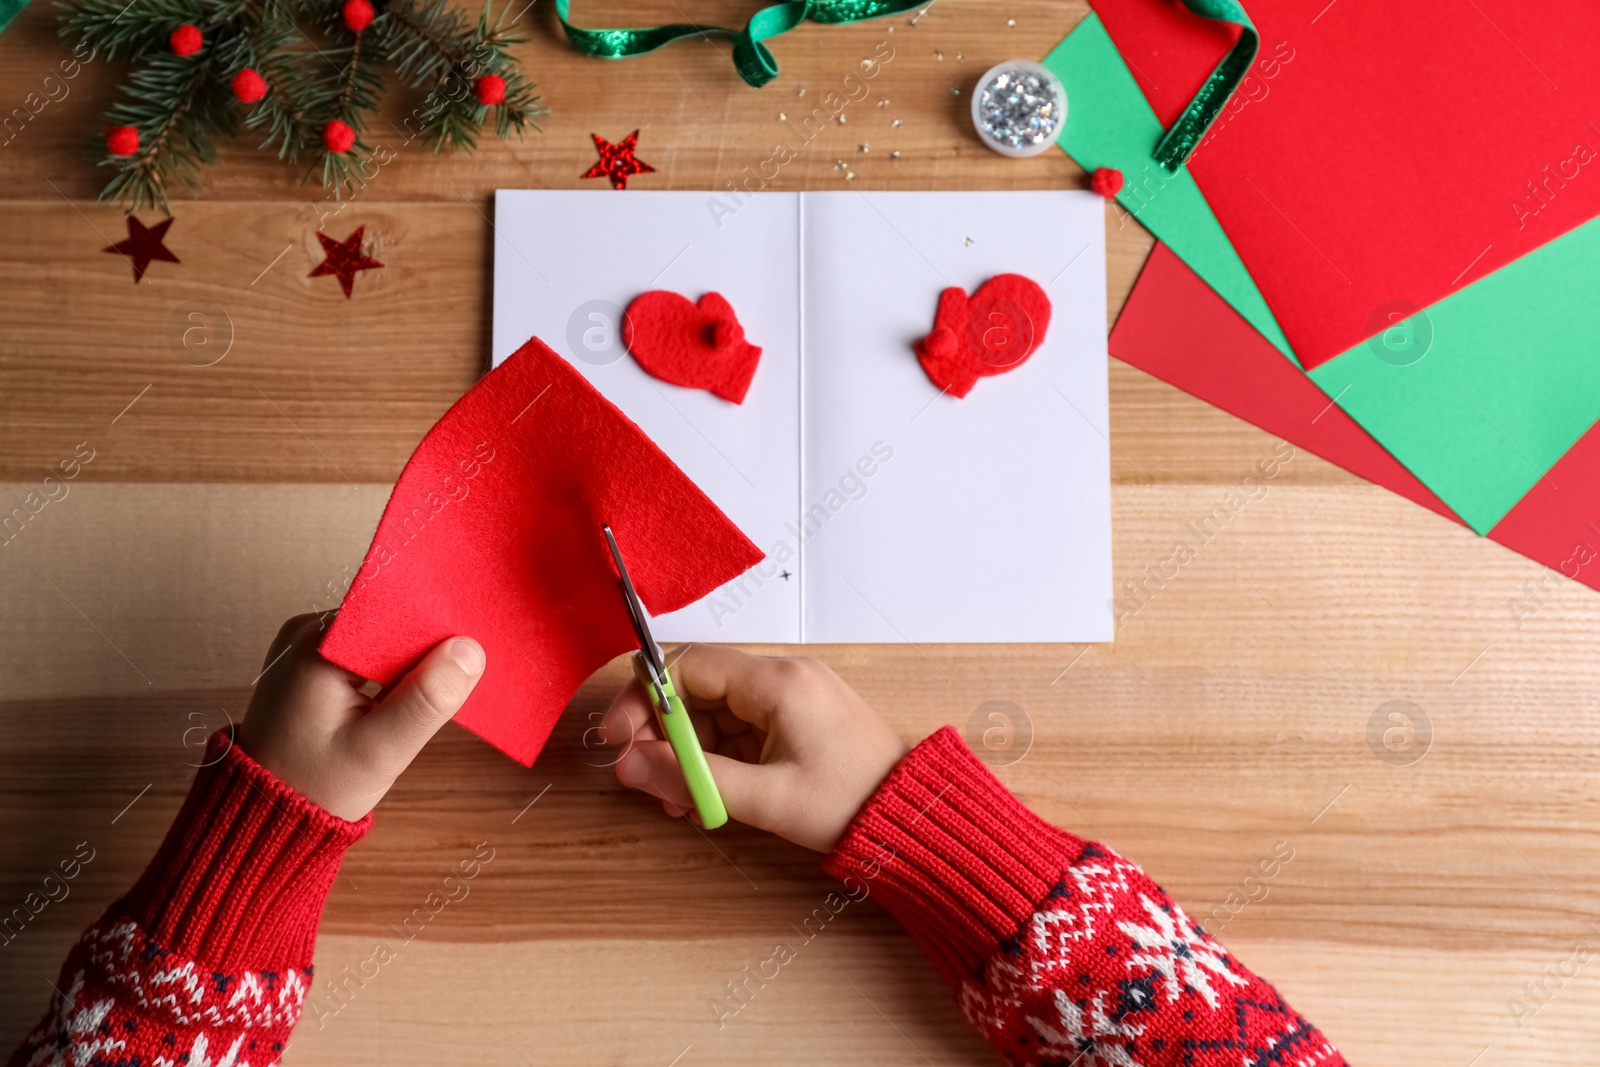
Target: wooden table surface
[{"x": 1231, "y": 718}]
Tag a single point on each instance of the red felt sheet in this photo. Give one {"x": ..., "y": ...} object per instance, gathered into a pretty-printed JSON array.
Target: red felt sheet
[
  {"x": 1381, "y": 151},
  {"x": 493, "y": 531},
  {"x": 1177, "y": 328}
]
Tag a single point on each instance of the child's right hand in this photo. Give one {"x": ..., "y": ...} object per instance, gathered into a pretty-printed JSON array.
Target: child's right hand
[{"x": 793, "y": 749}]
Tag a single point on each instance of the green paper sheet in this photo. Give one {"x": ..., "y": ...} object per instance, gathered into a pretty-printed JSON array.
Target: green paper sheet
[
  {"x": 1506, "y": 381},
  {"x": 1110, "y": 124},
  {"x": 1506, "y": 384}
]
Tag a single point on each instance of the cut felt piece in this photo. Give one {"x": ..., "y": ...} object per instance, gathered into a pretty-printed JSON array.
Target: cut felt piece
[
  {"x": 697, "y": 346},
  {"x": 1110, "y": 124},
  {"x": 1399, "y": 152},
  {"x": 1179, "y": 329},
  {"x": 1176, "y": 327},
  {"x": 990, "y": 332},
  {"x": 493, "y": 531}
]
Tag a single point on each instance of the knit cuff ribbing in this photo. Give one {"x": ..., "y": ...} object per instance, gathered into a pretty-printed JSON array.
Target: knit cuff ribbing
[
  {"x": 952, "y": 854},
  {"x": 244, "y": 871}
]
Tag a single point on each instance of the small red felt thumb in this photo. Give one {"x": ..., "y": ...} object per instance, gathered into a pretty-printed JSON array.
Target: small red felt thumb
[
  {"x": 425, "y": 699},
  {"x": 726, "y": 333}
]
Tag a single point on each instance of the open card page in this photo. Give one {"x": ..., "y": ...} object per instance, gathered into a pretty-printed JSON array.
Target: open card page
[
  {"x": 890, "y": 510},
  {"x": 567, "y": 263}
]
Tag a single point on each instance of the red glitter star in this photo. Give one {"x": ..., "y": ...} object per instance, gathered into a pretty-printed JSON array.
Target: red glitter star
[
  {"x": 344, "y": 258},
  {"x": 617, "y": 161},
  {"x": 143, "y": 245}
]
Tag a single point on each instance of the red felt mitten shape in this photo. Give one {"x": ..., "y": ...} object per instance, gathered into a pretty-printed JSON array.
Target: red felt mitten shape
[
  {"x": 493, "y": 531},
  {"x": 697, "y": 346},
  {"x": 993, "y": 331}
]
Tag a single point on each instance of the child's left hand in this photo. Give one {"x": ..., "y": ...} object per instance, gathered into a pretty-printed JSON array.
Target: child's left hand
[{"x": 309, "y": 724}]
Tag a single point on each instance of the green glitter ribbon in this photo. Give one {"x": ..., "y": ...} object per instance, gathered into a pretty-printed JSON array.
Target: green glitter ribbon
[
  {"x": 10, "y": 9},
  {"x": 751, "y": 57},
  {"x": 1184, "y": 135}
]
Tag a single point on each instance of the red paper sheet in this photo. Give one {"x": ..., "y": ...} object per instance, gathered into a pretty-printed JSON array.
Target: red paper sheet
[
  {"x": 493, "y": 531},
  {"x": 1382, "y": 151},
  {"x": 1177, "y": 328}
]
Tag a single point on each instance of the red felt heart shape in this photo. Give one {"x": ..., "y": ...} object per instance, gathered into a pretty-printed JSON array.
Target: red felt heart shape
[
  {"x": 697, "y": 346},
  {"x": 993, "y": 331}
]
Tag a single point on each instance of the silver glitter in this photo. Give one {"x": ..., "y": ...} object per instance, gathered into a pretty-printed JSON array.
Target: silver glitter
[
  {"x": 862, "y": 148},
  {"x": 1019, "y": 109},
  {"x": 894, "y": 155},
  {"x": 895, "y": 124}
]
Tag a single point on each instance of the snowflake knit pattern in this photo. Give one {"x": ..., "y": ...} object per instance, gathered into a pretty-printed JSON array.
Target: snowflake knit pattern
[
  {"x": 1060, "y": 951},
  {"x": 207, "y": 961}
]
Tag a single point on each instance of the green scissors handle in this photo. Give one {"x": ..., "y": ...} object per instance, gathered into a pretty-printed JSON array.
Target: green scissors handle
[{"x": 675, "y": 723}]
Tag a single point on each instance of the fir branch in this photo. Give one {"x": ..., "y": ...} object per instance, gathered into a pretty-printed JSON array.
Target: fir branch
[
  {"x": 180, "y": 109},
  {"x": 435, "y": 48},
  {"x": 118, "y": 28},
  {"x": 268, "y": 48}
]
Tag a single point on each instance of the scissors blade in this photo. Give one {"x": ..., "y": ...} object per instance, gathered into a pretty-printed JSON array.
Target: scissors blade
[{"x": 636, "y": 614}]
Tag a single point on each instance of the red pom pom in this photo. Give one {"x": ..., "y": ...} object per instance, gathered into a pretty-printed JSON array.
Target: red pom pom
[
  {"x": 490, "y": 89},
  {"x": 1107, "y": 181},
  {"x": 249, "y": 86},
  {"x": 338, "y": 137},
  {"x": 122, "y": 140},
  {"x": 358, "y": 15},
  {"x": 186, "y": 40}
]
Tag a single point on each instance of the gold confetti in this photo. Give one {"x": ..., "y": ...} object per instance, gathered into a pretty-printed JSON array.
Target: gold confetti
[
  {"x": 849, "y": 175},
  {"x": 799, "y": 90},
  {"x": 841, "y": 120},
  {"x": 1011, "y": 22},
  {"x": 895, "y": 124},
  {"x": 883, "y": 101},
  {"x": 782, "y": 117},
  {"x": 937, "y": 54}
]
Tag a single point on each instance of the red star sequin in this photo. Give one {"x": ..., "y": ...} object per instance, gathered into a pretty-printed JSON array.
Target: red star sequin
[
  {"x": 617, "y": 161},
  {"x": 143, "y": 245},
  {"x": 344, "y": 258}
]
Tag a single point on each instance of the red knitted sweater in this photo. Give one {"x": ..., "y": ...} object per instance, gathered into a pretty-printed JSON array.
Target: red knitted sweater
[{"x": 1060, "y": 951}]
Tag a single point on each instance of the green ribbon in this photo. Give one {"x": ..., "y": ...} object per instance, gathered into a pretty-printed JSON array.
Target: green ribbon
[
  {"x": 1184, "y": 135},
  {"x": 10, "y": 9},
  {"x": 751, "y": 57}
]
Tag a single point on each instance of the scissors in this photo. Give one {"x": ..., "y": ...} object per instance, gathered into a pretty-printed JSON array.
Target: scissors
[{"x": 650, "y": 667}]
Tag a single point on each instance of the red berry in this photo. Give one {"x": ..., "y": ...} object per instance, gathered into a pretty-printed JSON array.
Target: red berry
[
  {"x": 186, "y": 40},
  {"x": 490, "y": 89},
  {"x": 358, "y": 15},
  {"x": 249, "y": 86},
  {"x": 122, "y": 140},
  {"x": 338, "y": 136},
  {"x": 1107, "y": 181}
]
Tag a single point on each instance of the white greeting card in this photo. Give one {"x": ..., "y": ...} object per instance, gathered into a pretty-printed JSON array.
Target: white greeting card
[{"x": 889, "y": 510}]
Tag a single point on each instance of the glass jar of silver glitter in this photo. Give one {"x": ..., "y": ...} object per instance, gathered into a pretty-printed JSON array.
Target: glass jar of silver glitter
[{"x": 1019, "y": 108}]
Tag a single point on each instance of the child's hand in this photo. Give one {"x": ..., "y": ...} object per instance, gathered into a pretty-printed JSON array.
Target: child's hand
[
  {"x": 309, "y": 724},
  {"x": 794, "y": 750}
]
